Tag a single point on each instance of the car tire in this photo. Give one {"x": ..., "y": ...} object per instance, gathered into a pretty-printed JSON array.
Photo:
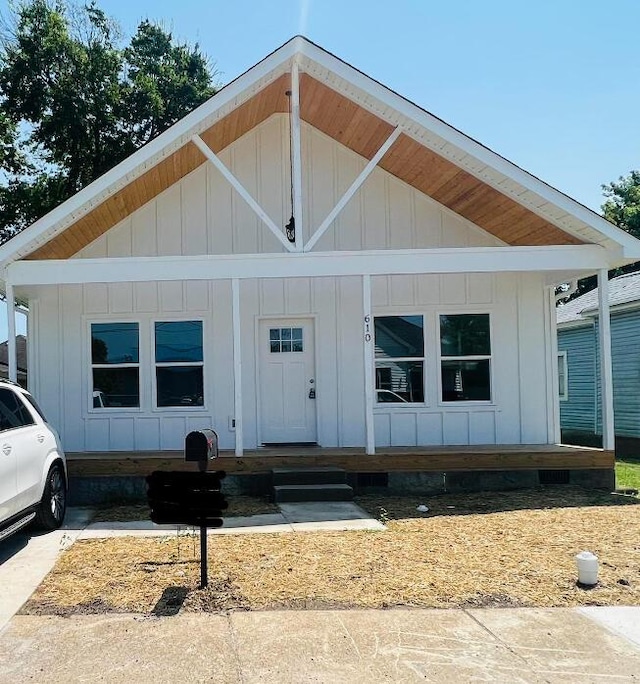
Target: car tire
[{"x": 52, "y": 507}]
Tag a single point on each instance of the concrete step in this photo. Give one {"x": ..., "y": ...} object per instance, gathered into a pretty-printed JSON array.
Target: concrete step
[
  {"x": 313, "y": 492},
  {"x": 309, "y": 476}
]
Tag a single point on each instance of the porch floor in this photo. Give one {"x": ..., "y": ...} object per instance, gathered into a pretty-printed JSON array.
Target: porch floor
[{"x": 386, "y": 459}]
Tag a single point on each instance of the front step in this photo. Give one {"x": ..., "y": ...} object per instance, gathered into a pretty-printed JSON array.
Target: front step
[
  {"x": 309, "y": 476},
  {"x": 312, "y": 492}
]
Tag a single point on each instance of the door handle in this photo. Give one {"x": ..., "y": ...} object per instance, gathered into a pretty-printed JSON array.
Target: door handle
[{"x": 312, "y": 393}]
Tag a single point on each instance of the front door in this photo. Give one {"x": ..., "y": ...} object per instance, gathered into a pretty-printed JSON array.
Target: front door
[{"x": 287, "y": 381}]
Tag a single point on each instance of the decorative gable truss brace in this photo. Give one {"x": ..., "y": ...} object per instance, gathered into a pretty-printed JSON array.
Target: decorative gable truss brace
[{"x": 296, "y": 173}]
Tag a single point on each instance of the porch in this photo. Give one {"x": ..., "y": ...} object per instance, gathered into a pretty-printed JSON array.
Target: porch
[{"x": 424, "y": 459}]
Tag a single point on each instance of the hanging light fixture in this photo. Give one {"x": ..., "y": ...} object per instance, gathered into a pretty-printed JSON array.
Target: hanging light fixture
[{"x": 290, "y": 228}]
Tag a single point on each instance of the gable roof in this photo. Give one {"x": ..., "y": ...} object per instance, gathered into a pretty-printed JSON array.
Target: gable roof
[
  {"x": 359, "y": 113},
  {"x": 624, "y": 289}
]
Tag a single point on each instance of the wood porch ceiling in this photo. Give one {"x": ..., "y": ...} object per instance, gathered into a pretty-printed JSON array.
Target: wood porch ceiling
[{"x": 349, "y": 124}]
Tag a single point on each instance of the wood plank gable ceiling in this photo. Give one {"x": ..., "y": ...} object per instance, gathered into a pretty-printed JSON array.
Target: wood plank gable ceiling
[{"x": 349, "y": 124}]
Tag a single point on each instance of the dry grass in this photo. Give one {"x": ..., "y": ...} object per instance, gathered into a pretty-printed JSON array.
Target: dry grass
[
  {"x": 239, "y": 506},
  {"x": 490, "y": 549}
]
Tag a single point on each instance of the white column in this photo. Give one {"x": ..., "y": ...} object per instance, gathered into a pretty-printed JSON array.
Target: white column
[
  {"x": 237, "y": 364},
  {"x": 296, "y": 155},
  {"x": 553, "y": 388},
  {"x": 11, "y": 333},
  {"x": 368, "y": 364},
  {"x": 606, "y": 372}
]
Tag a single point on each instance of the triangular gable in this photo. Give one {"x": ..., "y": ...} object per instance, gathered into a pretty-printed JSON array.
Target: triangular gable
[{"x": 360, "y": 114}]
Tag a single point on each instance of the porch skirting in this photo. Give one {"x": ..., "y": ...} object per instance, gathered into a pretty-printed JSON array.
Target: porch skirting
[{"x": 104, "y": 477}]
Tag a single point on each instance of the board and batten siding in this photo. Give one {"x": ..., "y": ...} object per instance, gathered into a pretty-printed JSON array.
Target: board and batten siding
[
  {"x": 517, "y": 413},
  {"x": 201, "y": 214}
]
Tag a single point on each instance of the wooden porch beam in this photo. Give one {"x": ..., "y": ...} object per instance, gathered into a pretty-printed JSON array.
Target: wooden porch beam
[{"x": 296, "y": 156}]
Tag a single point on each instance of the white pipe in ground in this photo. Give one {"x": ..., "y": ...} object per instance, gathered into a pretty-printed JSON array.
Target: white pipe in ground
[{"x": 587, "y": 563}]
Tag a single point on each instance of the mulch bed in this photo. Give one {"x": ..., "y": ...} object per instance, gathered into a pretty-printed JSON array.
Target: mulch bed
[{"x": 500, "y": 549}]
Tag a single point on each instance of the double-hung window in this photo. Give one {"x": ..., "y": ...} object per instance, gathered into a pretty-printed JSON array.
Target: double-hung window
[
  {"x": 465, "y": 357},
  {"x": 399, "y": 359},
  {"x": 179, "y": 363},
  {"x": 115, "y": 365}
]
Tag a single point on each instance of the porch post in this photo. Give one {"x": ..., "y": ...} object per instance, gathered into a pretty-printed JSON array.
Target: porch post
[
  {"x": 237, "y": 364},
  {"x": 11, "y": 333},
  {"x": 606, "y": 372},
  {"x": 368, "y": 364}
]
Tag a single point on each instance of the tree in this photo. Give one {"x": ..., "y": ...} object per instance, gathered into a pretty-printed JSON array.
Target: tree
[
  {"x": 622, "y": 205},
  {"x": 75, "y": 101}
]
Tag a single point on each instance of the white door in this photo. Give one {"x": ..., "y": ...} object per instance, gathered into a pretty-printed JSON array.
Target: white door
[{"x": 287, "y": 381}]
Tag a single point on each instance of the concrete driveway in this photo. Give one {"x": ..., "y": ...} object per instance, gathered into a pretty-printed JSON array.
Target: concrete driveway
[{"x": 26, "y": 557}]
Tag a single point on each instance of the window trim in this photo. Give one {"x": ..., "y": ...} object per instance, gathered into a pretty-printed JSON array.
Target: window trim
[
  {"x": 472, "y": 357},
  {"x": 563, "y": 396},
  {"x": 409, "y": 404},
  {"x": 153, "y": 364},
  {"x": 139, "y": 365}
]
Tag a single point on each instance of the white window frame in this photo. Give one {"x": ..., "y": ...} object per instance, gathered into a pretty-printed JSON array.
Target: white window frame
[
  {"x": 562, "y": 359},
  {"x": 175, "y": 364},
  {"x": 401, "y": 404},
  {"x": 475, "y": 357},
  {"x": 139, "y": 365}
]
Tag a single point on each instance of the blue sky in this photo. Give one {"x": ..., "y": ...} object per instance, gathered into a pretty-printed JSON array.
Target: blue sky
[{"x": 552, "y": 85}]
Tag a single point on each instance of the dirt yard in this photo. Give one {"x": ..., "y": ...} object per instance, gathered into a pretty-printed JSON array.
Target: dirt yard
[{"x": 501, "y": 549}]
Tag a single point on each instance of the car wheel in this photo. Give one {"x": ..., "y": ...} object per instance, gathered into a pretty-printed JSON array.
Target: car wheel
[{"x": 51, "y": 510}]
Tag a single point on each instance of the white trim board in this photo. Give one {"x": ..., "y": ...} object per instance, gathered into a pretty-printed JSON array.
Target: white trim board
[{"x": 309, "y": 264}]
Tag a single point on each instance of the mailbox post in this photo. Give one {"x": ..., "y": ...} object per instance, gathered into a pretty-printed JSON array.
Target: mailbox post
[{"x": 188, "y": 498}]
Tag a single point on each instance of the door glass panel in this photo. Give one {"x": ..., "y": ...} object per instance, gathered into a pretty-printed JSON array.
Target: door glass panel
[{"x": 285, "y": 340}]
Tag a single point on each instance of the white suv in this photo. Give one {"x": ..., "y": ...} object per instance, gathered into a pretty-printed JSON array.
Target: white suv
[{"x": 33, "y": 474}]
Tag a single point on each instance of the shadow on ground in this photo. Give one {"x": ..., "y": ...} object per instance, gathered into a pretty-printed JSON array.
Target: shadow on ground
[{"x": 403, "y": 507}]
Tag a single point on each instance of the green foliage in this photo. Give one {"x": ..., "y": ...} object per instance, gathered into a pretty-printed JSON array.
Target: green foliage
[
  {"x": 628, "y": 473},
  {"x": 622, "y": 205},
  {"x": 75, "y": 101}
]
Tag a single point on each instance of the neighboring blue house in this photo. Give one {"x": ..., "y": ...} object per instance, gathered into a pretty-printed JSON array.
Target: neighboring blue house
[{"x": 578, "y": 365}]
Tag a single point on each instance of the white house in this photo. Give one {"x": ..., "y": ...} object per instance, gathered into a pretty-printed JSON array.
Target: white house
[{"x": 409, "y": 302}]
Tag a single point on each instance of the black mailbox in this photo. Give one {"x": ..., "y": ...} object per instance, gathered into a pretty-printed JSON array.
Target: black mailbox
[{"x": 201, "y": 446}]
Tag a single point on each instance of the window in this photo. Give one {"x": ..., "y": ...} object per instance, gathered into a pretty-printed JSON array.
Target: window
[
  {"x": 465, "y": 357},
  {"x": 179, "y": 363},
  {"x": 13, "y": 413},
  {"x": 563, "y": 378},
  {"x": 285, "y": 340},
  {"x": 115, "y": 365},
  {"x": 399, "y": 353}
]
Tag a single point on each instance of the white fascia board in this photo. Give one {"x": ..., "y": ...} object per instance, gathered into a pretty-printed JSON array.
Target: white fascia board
[
  {"x": 475, "y": 149},
  {"x": 152, "y": 153},
  {"x": 307, "y": 264}
]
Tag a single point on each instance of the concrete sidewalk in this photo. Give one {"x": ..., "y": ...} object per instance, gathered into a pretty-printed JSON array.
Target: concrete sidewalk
[
  {"x": 293, "y": 517},
  {"x": 491, "y": 645}
]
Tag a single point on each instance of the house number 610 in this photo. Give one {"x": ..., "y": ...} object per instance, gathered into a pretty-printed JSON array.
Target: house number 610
[{"x": 367, "y": 329}]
